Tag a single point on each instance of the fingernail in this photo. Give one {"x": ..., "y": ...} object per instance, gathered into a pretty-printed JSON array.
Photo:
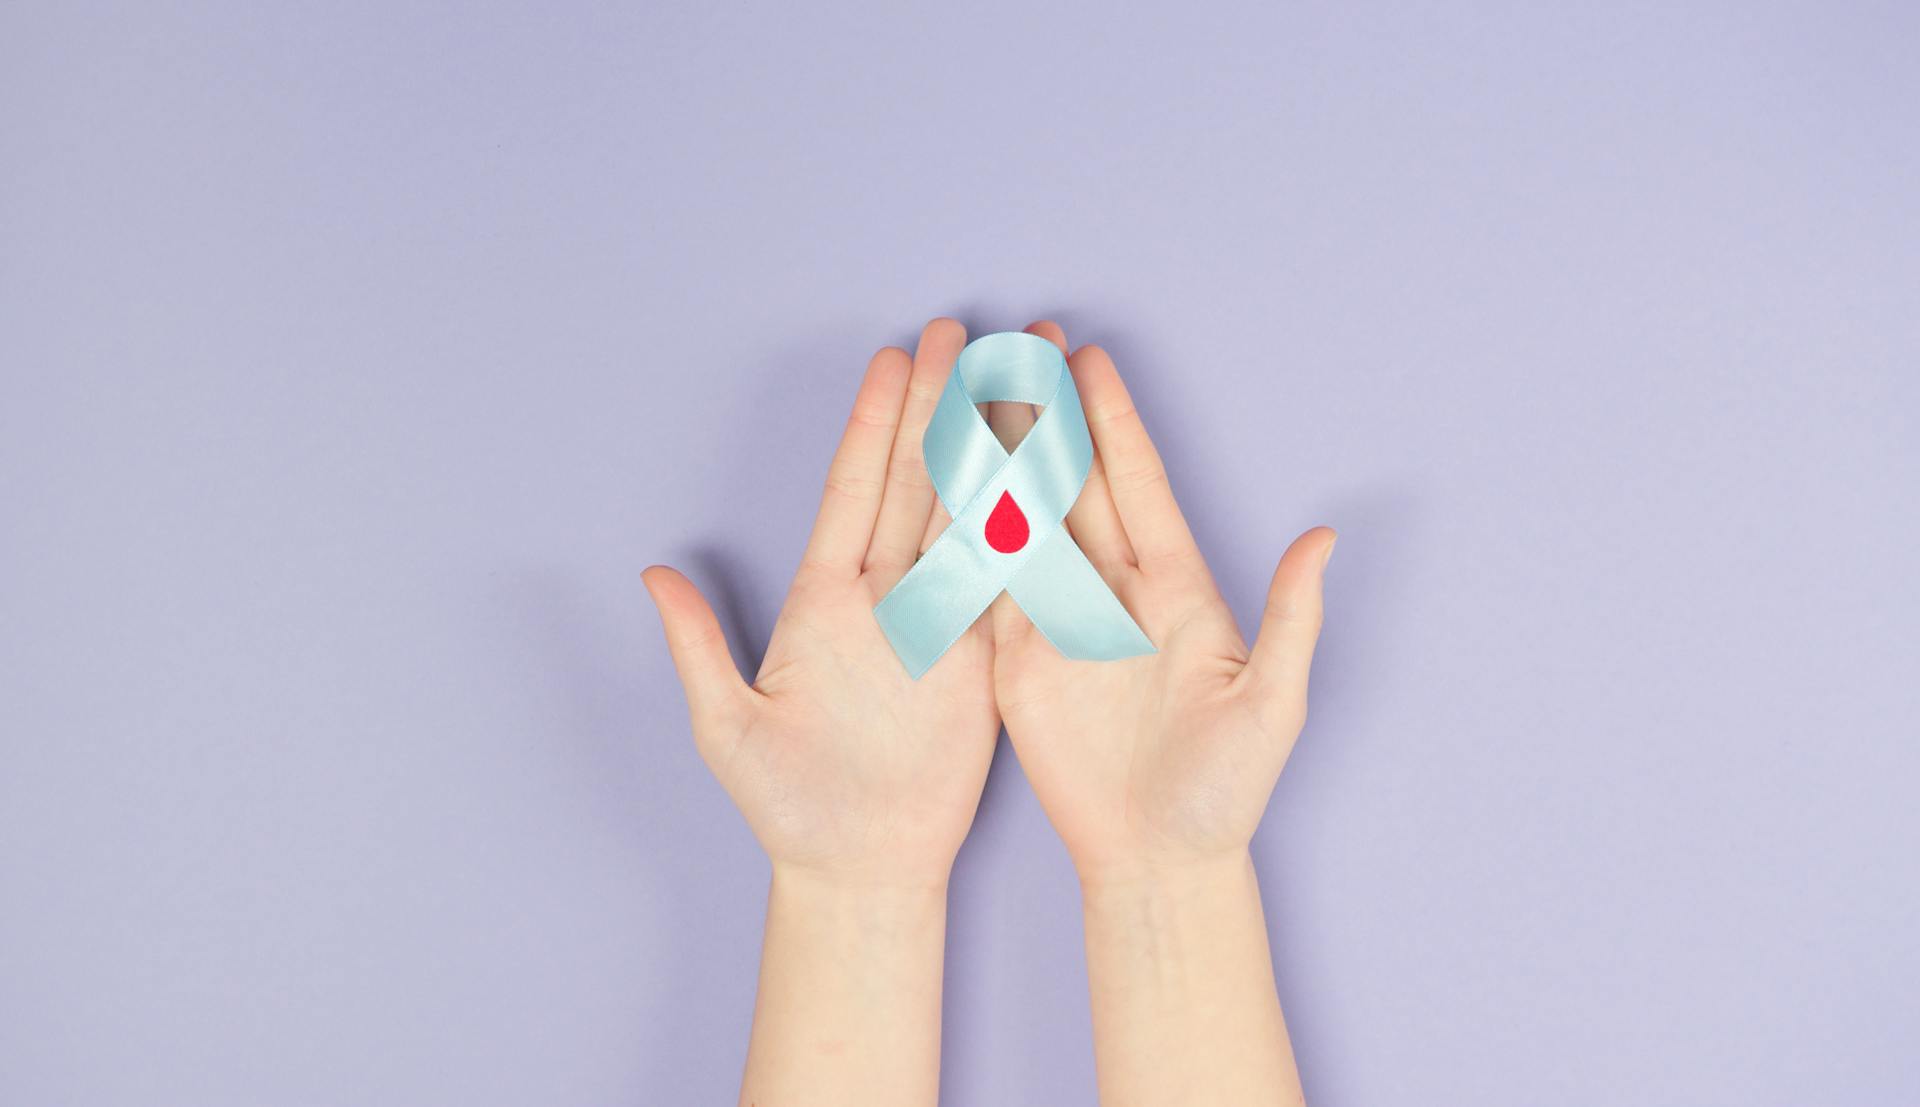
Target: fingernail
[{"x": 1328, "y": 555}]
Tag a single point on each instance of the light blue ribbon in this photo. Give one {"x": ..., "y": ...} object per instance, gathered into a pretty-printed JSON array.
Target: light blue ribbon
[{"x": 961, "y": 573}]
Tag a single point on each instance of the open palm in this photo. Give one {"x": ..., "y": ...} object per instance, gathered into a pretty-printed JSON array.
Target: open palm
[
  {"x": 1168, "y": 759},
  {"x": 842, "y": 763}
]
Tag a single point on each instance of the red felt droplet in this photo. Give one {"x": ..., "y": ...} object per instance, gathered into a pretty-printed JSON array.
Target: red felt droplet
[{"x": 1007, "y": 525}]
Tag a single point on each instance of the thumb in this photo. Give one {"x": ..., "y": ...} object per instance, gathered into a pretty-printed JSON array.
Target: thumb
[
  {"x": 1290, "y": 627},
  {"x": 694, "y": 638}
]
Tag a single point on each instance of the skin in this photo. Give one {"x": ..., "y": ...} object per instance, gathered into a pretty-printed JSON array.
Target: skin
[
  {"x": 860, "y": 783},
  {"x": 1156, "y": 770}
]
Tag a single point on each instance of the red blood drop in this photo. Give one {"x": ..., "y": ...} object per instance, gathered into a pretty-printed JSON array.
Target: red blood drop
[{"x": 1006, "y": 526}]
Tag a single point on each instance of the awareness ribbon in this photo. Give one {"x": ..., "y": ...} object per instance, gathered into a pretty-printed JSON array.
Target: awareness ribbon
[{"x": 1007, "y": 532}]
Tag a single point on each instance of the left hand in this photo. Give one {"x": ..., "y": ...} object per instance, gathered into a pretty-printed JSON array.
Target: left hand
[{"x": 1160, "y": 765}]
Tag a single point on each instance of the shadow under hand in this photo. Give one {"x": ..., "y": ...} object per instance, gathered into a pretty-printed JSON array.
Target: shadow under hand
[{"x": 1360, "y": 652}]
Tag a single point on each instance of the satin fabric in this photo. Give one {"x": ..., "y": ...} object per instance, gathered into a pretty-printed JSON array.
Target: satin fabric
[{"x": 960, "y": 574}]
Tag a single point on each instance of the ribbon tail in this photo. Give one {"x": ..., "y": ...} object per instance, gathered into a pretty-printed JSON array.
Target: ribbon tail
[
  {"x": 1071, "y": 605},
  {"x": 935, "y": 603}
]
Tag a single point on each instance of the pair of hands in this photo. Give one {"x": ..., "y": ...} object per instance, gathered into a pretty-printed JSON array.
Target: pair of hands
[{"x": 853, "y": 774}]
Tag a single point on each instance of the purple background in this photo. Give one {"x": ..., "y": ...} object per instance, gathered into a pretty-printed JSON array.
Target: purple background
[{"x": 356, "y": 360}]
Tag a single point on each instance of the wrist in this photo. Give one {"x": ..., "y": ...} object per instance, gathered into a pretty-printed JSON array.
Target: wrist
[
  {"x": 1148, "y": 876},
  {"x": 848, "y": 1009},
  {"x": 1181, "y": 982},
  {"x": 878, "y": 887},
  {"x": 1179, "y": 919},
  {"x": 875, "y": 935}
]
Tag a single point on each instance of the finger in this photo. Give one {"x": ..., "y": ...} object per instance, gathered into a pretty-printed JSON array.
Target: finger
[
  {"x": 1289, "y": 628},
  {"x": 936, "y": 523},
  {"x": 858, "y": 473},
  {"x": 1095, "y": 525},
  {"x": 1010, "y": 422},
  {"x": 699, "y": 649},
  {"x": 908, "y": 499},
  {"x": 1136, "y": 478},
  {"x": 1092, "y": 521},
  {"x": 1050, "y": 330}
]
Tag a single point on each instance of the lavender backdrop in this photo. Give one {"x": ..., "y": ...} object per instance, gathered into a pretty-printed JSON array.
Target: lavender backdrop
[{"x": 357, "y": 358}]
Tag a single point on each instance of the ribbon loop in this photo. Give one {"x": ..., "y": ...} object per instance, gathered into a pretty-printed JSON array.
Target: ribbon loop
[{"x": 1009, "y": 510}]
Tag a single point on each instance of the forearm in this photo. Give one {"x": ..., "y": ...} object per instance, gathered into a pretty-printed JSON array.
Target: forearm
[
  {"x": 1184, "y": 1007},
  {"x": 849, "y": 1000}
]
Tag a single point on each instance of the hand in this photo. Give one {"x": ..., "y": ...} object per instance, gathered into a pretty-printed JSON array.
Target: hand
[
  {"x": 1155, "y": 770},
  {"x": 859, "y": 781},
  {"x": 846, "y": 768},
  {"x": 1165, "y": 762}
]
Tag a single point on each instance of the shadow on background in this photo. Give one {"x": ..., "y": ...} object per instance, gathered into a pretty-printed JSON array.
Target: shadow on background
[
  {"x": 678, "y": 957},
  {"x": 1362, "y": 647}
]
